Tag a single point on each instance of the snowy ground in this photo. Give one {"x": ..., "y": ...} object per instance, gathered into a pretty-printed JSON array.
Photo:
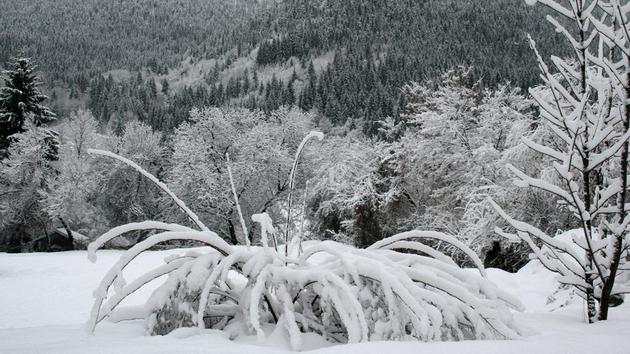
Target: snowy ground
[{"x": 46, "y": 298}]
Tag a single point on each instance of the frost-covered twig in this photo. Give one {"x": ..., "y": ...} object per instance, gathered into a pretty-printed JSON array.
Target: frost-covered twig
[
  {"x": 312, "y": 134},
  {"x": 238, "y": 205}
]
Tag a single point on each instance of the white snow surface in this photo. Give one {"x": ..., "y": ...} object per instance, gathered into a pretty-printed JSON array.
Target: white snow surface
[{"x": 45, "y": 300}]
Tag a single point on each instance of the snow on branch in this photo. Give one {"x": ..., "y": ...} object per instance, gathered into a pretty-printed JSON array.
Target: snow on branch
[
  {"x": 207, "y": 237},
  {"x": 310, "y": 135},
  {"x": 439, "y": 236},
  {"x": 136, "y": 226},
  {"x": 553, "y": 5},
  {"x": 153, "y": 179}
]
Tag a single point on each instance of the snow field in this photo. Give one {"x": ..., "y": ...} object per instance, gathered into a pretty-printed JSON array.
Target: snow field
[{"x": 46, "y": 299}]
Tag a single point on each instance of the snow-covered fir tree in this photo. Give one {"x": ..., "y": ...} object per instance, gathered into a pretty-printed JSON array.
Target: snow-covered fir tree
[{"x": 20, "y": 99}]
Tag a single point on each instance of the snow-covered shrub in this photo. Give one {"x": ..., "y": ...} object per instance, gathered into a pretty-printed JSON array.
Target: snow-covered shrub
[{"x": 399, "y": 288}]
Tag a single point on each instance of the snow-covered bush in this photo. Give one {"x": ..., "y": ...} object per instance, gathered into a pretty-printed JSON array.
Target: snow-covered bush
[{"x": 399, "y": 288}]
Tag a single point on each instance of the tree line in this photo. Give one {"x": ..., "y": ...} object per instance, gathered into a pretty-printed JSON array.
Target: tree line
[{"x": 354, "y": 186}]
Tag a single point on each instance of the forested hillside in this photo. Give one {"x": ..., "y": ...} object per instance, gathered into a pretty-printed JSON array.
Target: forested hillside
[
  {"x": 421, "y": 38},
  {"x": 76, "y": 40},
  {"x": 376, "y": 48}
]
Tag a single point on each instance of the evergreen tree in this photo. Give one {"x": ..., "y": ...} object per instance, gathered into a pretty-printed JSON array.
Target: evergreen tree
[
  {"x": 19, "y": 98},
  {"x": 165, "y": 87}
]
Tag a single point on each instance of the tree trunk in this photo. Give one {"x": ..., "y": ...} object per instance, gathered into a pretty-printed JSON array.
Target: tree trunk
[
  {"x": 587, "y": 198},
  {"x": 232, "y": 232},
  {"x": 67, "y": 228},
  {"x": 590, "y": 296},
  {"x": 367, "y": 229},
  {"x": 587, "y": 229},
  {"x": 621, "y": 205}
]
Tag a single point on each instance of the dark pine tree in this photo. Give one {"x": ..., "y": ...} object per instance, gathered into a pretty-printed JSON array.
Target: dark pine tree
[{"x": 19, "y": 99}]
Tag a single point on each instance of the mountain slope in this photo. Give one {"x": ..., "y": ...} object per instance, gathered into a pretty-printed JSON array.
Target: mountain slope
[{"x": 376, "y": 46}]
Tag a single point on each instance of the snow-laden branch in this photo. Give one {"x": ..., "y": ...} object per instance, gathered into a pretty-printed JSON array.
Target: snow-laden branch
[
  {"x": 527, "y": 229},
  {"x": 207, "y": 237},
  {"x": 236, "y": 202},
  {"x": 157, "y": 182},
  {"x": 554, "y": 6},
  {"x": 438, "y": 236},
  {"x": 296, "y": 160},
  {"x": 136, "y": 226}
]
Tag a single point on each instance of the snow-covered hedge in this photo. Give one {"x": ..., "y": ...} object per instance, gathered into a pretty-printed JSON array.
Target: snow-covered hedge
[{"x": 397, "y": 289}]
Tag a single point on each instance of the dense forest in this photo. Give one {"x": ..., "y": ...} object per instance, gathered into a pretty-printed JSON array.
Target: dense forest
[
  {"x": 78, "y": 40},
  {"x": 262, "y": 54}
]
